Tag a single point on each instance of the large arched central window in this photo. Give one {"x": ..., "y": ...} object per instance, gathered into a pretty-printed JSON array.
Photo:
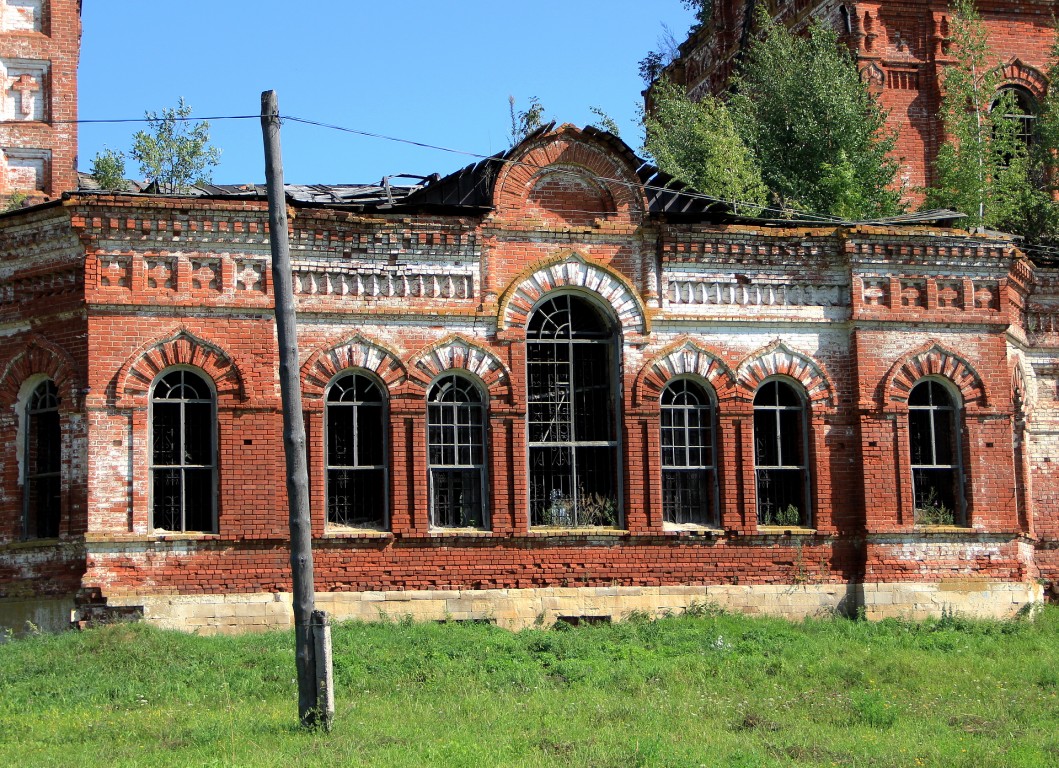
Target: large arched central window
[
  {"x": 573, "y": 445},
  {"x": 933, "y": 439},
  {"x": 183, "y": 463},
  {"x": 42, "y": 461},
  {"x": 356, "y": 450},
  {"x": 779, "y": 456},
  {"x": 456, "y": 453},
  {"x": 688, "y": 477}
]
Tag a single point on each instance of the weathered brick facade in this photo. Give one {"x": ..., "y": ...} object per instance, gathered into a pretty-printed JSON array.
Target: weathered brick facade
[
  {"x": 107, "y": 295},
  {"x": 902, "y": 49},
  {"x": 40, "y": 43}
]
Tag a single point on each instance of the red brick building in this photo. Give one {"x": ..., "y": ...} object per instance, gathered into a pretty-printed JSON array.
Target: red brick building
[
  {"x": 542, "y": 386},
  {"x": 902, "y": 49},
  {"x": 40, "y": 43}
]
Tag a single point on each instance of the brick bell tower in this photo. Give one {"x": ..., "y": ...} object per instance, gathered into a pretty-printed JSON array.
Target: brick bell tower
[
  {"x": 902, "y": 49},
  {"x": 40, "y": 42}
]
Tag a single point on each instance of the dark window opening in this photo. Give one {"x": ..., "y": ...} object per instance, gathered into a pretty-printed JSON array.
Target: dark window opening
[
  {"x": 688, "y": 463},
  {"x": 1019, "y": 106},
  {"x": 456, "y": 453},
  {"x": 933, "y": 439},
  {"x": 573, "y": 456},
  {"x": 356, "y": 450},
  {"x": 779, "y": 456},
  {"x": 183, "y": 469},
  {"x": 42, "y": 462}
]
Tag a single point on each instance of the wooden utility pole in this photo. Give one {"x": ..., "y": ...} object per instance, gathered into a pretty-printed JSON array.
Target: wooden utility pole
[{"x": 301, "y": 553}]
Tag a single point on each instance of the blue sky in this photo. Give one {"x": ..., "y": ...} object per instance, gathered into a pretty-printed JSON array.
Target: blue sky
[{"x": 438, "y": 72}]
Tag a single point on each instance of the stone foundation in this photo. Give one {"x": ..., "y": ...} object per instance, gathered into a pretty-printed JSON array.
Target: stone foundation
[{"x": 519, "y": 608}]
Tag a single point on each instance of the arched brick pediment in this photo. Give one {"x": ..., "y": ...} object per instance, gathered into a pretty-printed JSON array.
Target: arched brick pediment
[
  {"x": 778, "y": 359},
  {"x": 358, "y": 352},
  {"x": 685, "y": 358},
  {"x": 1017, "y": 72},
  {"x": 934, "y": 360},
  {"x": 569, "y": 173},
  {"x": 457, "y": 353},
  {"x": 179, "y": 347},
  {"x": 572, "y": 272},
  {"x": 40, "y": 356}
]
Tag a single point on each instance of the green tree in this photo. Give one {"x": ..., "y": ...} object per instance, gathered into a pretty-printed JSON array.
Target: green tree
[
  {"x": 525, "y": 121},
  {"x": 818, "y": 134},
  {"x": 985, "y": 169},
  {"x": 108, "y": 169},
  {"x": 175, "y": 153},
  {"x": 697, "y": 142}
]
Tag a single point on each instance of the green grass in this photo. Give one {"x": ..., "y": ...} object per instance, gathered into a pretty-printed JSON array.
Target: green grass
[{"x": 713, "y": 690}]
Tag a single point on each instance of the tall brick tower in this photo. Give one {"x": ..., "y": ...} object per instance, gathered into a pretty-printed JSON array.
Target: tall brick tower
[
  {"x": 40, "y": 43},
  {"x": 902, "y": 48}
]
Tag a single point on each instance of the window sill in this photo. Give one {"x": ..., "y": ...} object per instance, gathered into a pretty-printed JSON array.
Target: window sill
[
  {"x": 586, "y": 531},
  {"x": 356, "y": 533},
  {"x": 785, "y": 530},
  {"x": 154, "y": 536},
  {"x": 458, "y": 532},
  {"x": 945, "y": 529},
  {"x": 699, "y": 531}
]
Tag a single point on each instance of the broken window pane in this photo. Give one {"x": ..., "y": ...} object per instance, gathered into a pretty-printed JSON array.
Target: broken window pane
[
  {"x": 779, "y": 456},
  {"x": 688, "y": 473},
  {"x": 934, "y": 452}
]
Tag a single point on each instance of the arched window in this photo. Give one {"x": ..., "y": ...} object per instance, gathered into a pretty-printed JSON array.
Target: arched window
[
  {"x": 689, "y": 478},
  {"x": 356, "y": 451},
  {"x": 42, "y": 462},
  {"x": 779, "y": 456},
  {"x": 183, "y": 447},
  {"x": 573, "y": 445},
  {"x": 456, "y": 453},
  {"x": 1019, "y": 106},
  {"x": 934, "y": 445}
]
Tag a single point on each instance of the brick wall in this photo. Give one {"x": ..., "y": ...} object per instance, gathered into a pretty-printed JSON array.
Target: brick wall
[{"x": 851, "y": 317}]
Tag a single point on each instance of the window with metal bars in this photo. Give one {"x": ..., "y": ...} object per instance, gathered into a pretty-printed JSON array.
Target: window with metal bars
[
  {"x": 42, "y": 464},
  {"x": 689, "y": 478},
  {"x": 183, "y": 449},
  {"x": 1020, "y": 107},
  {"x": 934, "y": 444},
  {"x": 356, "y": 451},
  {"x": 780, "y": 449},
  {"x": 573, "y": 444},
  {"x": 456, "y": 453}
]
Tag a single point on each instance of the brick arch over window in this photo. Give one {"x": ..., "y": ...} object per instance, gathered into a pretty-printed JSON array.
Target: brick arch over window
[
  {"x": 572, "y": 271},
  {"x": 1023, "y": 388},
  {"x": 934, "y": 360},
  {"x": 358, "y": 352},
  {"x": 455, "y": 352},
  {"x": 41, "y": 356},
  {"x": 569, "y": 147},
  {"x": 680, "y": 359},
  {"x": 1017, "y": 72},
  {"x": 778, "y": 359},
  {"x": 133, "y": 381}
]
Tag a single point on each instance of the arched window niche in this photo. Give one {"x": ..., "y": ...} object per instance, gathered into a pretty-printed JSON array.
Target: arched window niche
[
  {"x": 574, "y": 463},
  {"x": 780, "y": 450},
  {"x": 689, "y": 456},
  {"x": 183, "y": 420},
  {"x": 1017, "y": 104},
  {"x": 356, "y": 452},
  {"x": 456, "y": 453},
  {"x": 41, "y": 463},
  {"x": 935, "y": 454}
]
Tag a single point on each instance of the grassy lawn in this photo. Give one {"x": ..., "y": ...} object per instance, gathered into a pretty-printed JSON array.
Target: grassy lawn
[{"x": 714, "y": 690}]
